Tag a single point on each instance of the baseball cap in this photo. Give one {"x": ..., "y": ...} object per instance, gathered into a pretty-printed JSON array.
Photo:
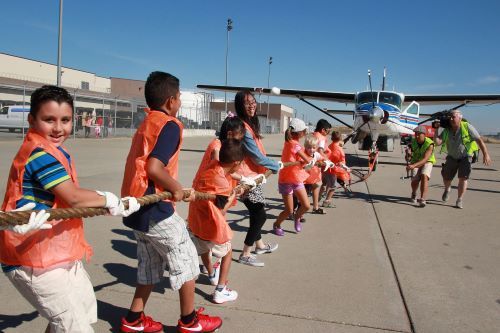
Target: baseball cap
[
  {"x": 420, "y": 129},
  {"x": 297, "y": 125}
]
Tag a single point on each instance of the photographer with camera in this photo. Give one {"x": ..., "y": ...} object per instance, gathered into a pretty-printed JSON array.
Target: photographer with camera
[{"x": 460, "y": 140}]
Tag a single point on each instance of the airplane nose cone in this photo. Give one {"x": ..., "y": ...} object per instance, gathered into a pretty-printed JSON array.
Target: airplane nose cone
[{"x": 376, "y": 113}]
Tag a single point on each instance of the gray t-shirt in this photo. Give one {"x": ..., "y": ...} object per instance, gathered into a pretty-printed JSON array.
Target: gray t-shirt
[{"x": 456, "y": 148}]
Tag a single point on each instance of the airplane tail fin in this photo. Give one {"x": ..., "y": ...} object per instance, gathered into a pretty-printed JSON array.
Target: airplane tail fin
[{"x": 383, "y": 81}]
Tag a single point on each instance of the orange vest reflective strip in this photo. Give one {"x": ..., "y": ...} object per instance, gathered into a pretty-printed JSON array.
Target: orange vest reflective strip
[
  {"x": 292, "y": 174},
  {"x": 65, "y": 242},
  {"x": 248, "y": 161},
  {"x": 135, "y": 179},
  {"x": 206, "y": 220}
]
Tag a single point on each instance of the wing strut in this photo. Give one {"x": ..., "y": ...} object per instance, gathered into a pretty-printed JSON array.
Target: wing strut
[{"x": 321, "y": 110}]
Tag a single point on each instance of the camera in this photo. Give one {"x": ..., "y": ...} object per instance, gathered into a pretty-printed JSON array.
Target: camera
[{"x": 442, "y": 119}]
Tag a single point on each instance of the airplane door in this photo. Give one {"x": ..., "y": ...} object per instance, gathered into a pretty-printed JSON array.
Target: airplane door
[{"x": 412, "y": 111}]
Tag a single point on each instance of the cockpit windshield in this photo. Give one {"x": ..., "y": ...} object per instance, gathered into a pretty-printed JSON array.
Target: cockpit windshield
[
  {"x": 366, "y": 97},
  {"x": 390, "y": 98}
]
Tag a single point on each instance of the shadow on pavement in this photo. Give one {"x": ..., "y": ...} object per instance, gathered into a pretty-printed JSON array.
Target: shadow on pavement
[{"x": 11, "y": 321}]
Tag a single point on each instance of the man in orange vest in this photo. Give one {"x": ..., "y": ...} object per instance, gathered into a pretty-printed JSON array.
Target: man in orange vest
[{"x": 161, "y": 234}]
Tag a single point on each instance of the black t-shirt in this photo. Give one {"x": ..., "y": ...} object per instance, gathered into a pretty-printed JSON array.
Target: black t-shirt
[{"x": 164, "y": 149}]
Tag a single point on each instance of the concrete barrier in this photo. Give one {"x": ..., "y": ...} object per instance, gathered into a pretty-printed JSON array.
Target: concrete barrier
[{"x": 190, "y": 132}]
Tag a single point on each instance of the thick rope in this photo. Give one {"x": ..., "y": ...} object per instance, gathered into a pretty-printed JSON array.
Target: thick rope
[{"x": 18, "y": 218}]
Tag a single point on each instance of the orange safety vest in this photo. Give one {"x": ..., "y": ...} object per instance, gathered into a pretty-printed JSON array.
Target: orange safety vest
[
  {"x": 135, "y": 179},
  {"x": 206, "y": 220},
  {"x": 337, "y": 155},
  {"x": 292, "y": 174},
  {"x": 314, "y": 174},
  {"x": 322, "y": 138},
  {"x": 65, "y": 242},
  {"x": 254, "y": 168},
  {"x": 215, "y": 144}
]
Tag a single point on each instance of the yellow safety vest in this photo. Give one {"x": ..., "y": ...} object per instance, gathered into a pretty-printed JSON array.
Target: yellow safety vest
[
  {"x": 470, "y": 145},
  {"x": 418, "y": 151}
]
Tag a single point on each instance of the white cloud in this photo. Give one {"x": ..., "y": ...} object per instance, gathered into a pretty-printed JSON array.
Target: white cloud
[
  {"x": 137, "y": 61},
  {"x": 41, "y": 26},
  {"x": 435, "y": 86},
  {"x": 486, "y": 80}
]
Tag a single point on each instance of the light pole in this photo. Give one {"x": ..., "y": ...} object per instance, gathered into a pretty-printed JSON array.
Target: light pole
[
  {"x": 59, "y": 44},
  {"x": 229, "y": 27},
  {"x": 268, "y": 86}
]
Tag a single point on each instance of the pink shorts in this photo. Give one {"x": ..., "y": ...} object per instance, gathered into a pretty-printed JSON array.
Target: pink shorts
[{"x": 287, "y": 188}]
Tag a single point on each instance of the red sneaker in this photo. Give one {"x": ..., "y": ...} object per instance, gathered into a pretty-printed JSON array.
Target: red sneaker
[
  {"x": 201, "y": 323},
  {"x": 143, "y": 324}
]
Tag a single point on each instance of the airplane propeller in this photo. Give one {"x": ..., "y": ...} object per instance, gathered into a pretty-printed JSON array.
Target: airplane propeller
[{"x": 375, "y": 114}]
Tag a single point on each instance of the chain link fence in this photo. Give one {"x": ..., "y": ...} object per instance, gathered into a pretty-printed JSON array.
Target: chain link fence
[{"x": 101, "y": 115}]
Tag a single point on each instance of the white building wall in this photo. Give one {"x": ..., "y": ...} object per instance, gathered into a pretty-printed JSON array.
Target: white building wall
[
  {"x": 192, "y": 106},
  {"x": 36, "y": 71}
]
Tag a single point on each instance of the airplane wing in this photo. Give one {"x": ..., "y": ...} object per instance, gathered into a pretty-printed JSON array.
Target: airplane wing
[
  {"x": 349, "y": 112},
  {"x": 344, "y": 97},
  {"x": 320, "y": 95},
  {"x": 450, "y": 99}
]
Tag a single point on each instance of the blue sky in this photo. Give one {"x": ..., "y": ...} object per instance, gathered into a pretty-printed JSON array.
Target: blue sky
[{"x": 428, "y": 46}]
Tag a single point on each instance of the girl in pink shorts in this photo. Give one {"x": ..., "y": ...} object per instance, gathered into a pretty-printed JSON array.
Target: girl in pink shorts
[{"x": 291, "y": 179}]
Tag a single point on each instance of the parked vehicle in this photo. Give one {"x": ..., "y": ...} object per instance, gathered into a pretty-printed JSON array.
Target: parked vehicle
[{"x": 14, "y": 117}]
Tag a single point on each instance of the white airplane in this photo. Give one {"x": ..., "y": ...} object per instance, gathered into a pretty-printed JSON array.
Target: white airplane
[{"x": 382, "y": 114}]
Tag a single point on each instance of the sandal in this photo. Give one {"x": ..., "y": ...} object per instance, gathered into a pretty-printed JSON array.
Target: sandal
[
  {"x": 278, "y": 231},
  {"x": 318, "y": 211}
]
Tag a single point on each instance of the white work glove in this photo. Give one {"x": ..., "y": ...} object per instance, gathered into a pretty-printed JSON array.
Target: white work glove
[
  {"x": 36, "y": 221},
  {"x": 264, "y": 180},
  {"x": 113, "y": 203},
  {"x": 345, "y": 167},
  {"x": 133, "y": 206},
  {"x": 328, "y": 164},
  {"x": 311, "y": 163},
  {"x": 280, "y": 165},
  {"x": 248, "y": 181}
]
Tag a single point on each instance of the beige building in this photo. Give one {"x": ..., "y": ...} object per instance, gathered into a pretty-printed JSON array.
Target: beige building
[
  {"x": 27, "y": 70},
  {"x": 119, "y": 98}
]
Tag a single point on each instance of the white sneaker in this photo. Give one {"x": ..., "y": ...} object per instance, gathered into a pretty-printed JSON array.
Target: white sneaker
[
  {"x": 214, "y": 280},
  {"x": 226, "y": 295},
  {"x": 268, "y": 248},
  {"x": 251, "y": 260}
]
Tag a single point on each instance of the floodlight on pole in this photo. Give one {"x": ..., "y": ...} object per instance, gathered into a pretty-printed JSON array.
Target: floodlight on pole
[
  {"x": 268, "y": 86},
  {"x": 59, "y": 44},
  {"x": 229, "y": 27}
]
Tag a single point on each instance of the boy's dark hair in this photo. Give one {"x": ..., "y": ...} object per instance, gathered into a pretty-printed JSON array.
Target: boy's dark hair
[
  {"x": 49, "y": 93},
  {"x": 233, "y": 124},
  {"x": 336, "y": 136},
  {"x": 239, "y": 107},
  {"x": 322, "y": 124},
  {"x": 160, "y": 86},
  {"x": 231, "y": 151}
]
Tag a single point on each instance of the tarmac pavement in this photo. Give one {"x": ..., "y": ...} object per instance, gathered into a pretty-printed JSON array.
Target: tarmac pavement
[{"x": 375, "y": 263}]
